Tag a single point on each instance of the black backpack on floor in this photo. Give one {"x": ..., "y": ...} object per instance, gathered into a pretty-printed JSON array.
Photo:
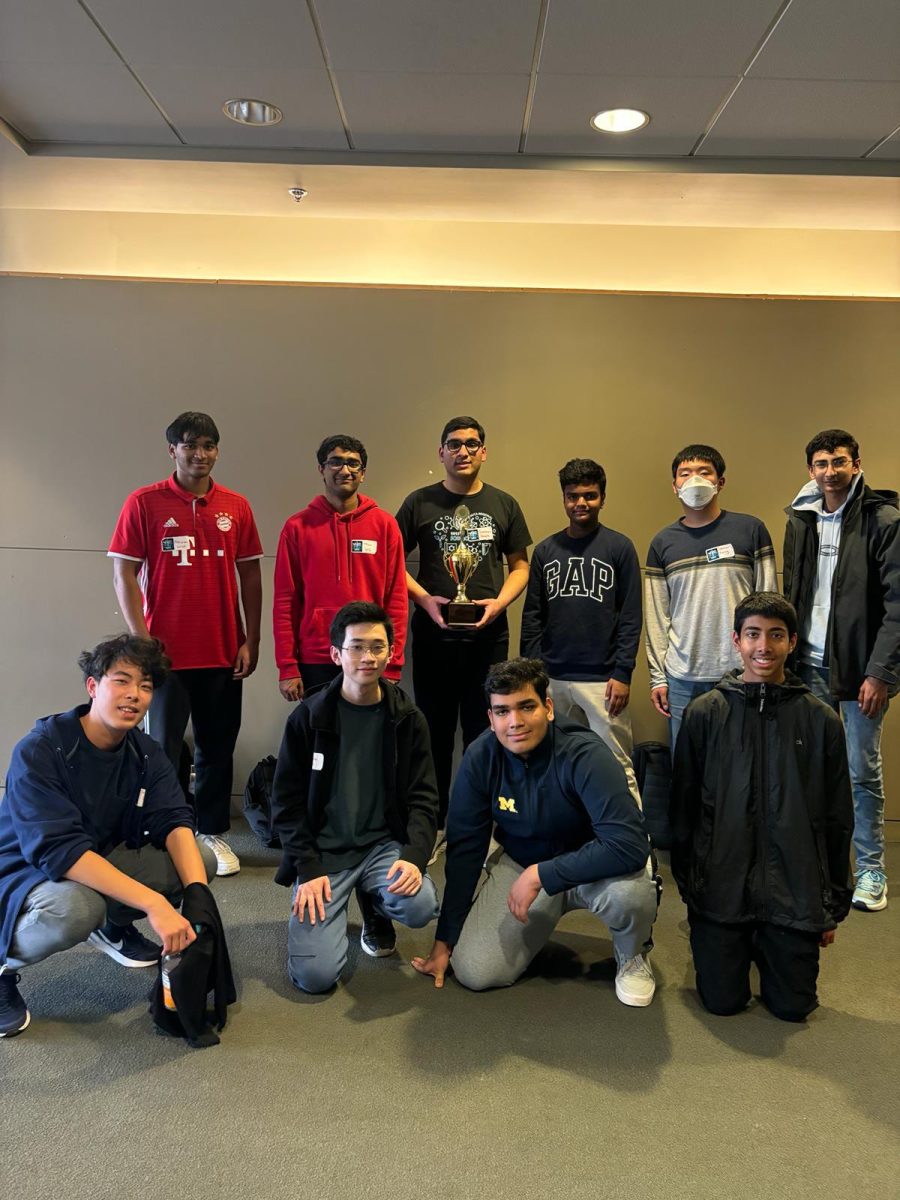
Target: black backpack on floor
[
  {"x": 258, "y": 802},
  {"x": 653, "y": 770}
]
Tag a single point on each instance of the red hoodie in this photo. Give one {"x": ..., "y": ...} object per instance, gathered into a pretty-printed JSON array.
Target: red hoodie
[{"x": 325, "y": 559}]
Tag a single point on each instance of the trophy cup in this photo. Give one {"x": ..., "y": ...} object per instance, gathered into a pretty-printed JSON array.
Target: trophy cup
[{"x": 461, "y": 560}]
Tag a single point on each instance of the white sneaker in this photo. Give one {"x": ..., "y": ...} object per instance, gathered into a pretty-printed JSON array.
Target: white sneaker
[
  {"x": 227, "y": 862},
  {"x": 635, "y": 984}
]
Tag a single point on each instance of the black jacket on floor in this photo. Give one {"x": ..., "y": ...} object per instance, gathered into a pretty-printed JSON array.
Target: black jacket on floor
[
  {"x": 205, "y": 967},
  {"x": 762, "y": 814},
  {"x": 305, "y": 770}
]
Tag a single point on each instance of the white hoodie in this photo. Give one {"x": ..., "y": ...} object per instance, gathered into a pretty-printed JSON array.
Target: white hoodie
[{"x": 814, "y": 630}]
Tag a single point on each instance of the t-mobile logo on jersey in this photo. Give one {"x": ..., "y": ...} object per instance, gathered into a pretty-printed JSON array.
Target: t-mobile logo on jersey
[
  {"x": 581, "y": 579},
  {"x": 181, "y": 547}
]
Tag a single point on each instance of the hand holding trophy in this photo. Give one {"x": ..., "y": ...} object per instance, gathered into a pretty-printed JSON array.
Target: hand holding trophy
[{"x": 461, "y": 561}]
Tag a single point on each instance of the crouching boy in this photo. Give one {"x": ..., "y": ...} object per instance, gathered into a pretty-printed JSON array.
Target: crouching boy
[
  {"x": 94, "y": 830},
  {"x": 762, "y": 818},
  {"x": 355, "y": 805}
]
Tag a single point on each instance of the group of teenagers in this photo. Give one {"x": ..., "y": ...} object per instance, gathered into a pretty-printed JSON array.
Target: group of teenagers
[{"x": 775, "y": 703}]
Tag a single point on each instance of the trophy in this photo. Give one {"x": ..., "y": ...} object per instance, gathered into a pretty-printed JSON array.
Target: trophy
[{"x": 461, "y": 560}]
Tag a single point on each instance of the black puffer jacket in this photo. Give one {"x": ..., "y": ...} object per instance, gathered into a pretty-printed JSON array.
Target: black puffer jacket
[
  {"x": 762, "y": 814},
  {"x": 306, "y": 761},
  {"x": 864, "y": 624}
]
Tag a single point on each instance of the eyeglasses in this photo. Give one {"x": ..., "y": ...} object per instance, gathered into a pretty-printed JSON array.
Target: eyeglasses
[
  {"x": 471, "y": 445},
  {"x": 358, "y": 649},
  {"x": 353, "y": 465},
  {"x": 822, "y": 464}
]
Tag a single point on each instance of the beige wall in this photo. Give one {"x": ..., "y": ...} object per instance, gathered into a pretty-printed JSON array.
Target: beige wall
[
  {"x": 420, "y": 253},
  {"x": 91, "y": 373}
]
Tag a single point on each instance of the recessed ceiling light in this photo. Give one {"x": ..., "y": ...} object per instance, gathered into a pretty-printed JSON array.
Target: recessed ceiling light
[
  {"x": 620, "y": 120},
  {"x": 252, "y": 112}
]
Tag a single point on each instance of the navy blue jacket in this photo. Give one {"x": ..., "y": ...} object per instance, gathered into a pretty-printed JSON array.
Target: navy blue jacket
[
  {"x": 566, "y": 807},
  {"x": 45, "y": 820}
]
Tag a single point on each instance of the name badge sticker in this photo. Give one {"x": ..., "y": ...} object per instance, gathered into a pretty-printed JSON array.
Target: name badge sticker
[
  {"x": 318, "y": 761},
  {"x": 485, "y": 533},
  {"x": 717, "y": 552},
  {"x": 363, "y": 546}
]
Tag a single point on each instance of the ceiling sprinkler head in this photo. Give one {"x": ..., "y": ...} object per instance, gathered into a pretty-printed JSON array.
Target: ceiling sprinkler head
[{"x": 297, "y": 194}]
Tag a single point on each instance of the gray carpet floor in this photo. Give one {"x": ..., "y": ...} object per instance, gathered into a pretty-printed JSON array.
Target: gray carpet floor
[{"x": 391, "y": 1089}]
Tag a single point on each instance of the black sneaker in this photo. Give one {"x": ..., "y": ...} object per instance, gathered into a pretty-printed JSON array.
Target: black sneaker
[
  {"x": 124, "y": 944},
  {"x": 14, "y": 1016},
  {"x": 377, "y": 938}
]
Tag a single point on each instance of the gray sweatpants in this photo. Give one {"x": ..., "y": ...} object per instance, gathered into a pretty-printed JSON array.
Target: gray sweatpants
[
  {"x": 494, "y": 948},
  {"x": 57, "y": 916}
]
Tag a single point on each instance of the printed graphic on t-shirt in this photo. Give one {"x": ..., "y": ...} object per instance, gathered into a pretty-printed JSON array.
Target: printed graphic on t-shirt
[
  {"x": 588, "y": 578},
  {"x": 477, "y": 530}
]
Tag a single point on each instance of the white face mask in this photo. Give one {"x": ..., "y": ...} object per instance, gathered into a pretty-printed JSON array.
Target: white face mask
[{"x": 697, "y": 492}]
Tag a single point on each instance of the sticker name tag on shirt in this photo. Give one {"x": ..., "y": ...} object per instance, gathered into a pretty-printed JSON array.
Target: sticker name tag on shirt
[
  {"x": 485, "y": 533},
  {"x": 716, "y": 552},
  {"x": 363, "y": 546},
  {"x": 318, "y": 761}
]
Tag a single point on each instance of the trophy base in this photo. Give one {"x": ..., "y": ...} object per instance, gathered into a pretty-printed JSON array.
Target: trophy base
[{"x": 462, "y": 614}]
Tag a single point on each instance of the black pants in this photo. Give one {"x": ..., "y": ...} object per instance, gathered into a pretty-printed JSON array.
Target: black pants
[
  {"x": 788, "y": 962},
  {"x": 448, "y": 679},
  {"x": 211, "y": 698},
  {"x": 315, "y": 674}
]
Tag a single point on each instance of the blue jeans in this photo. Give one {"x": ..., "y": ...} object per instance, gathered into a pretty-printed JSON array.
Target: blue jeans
[
  {"x": 681, "y": 693},
  {"x": 863, "y": 736},
  {"x": 317, "y": 954}
]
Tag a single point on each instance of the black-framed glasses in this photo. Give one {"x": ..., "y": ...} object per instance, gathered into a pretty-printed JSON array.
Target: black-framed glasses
[
  {"x": 470, "y": 445},
  {"x": 353, "y": 465}
]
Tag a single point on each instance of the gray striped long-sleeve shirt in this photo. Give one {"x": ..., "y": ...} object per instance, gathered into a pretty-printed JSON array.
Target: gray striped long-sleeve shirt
[{"x": 693, "y": 580}]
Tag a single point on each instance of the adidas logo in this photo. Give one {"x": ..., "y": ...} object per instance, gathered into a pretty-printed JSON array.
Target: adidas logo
[{"x": 171, "y": 524}]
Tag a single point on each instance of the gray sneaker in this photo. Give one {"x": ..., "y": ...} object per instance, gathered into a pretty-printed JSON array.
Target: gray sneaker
[{"x": 871, "y": 892}]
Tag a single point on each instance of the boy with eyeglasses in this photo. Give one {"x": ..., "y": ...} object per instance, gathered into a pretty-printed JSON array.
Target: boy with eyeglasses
[
  {"x": 354, "y": 803},
  {"x": 842, "y": 573},
  {"x": 450, "y": 665},
  {"x": 341, "y": 547},
  {"x": 186, "y": 558}
]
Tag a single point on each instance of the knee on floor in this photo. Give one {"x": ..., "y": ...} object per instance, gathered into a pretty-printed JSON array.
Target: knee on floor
[{"x": 311, "y": 975}]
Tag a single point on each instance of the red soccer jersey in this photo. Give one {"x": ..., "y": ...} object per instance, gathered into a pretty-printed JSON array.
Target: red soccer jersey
[{"x": 189, "y": 546}]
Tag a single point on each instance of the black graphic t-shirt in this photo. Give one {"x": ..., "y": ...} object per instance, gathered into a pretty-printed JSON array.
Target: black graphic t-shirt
[{"x": 429, "y": 521}]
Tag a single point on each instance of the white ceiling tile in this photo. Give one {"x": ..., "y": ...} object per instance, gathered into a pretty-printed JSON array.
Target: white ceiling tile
[
  {"x": 654, "y": 37},
  {"x": 66, "y": 103},
  {"x": 209, "y": 33},
  {"x": 564, "y": 104},
  {"x": 804, "y": 118},
  {"x": 445, "y": 36},
  {"x": 193, "y": 101},
  {"x": 834, "y": 39},
  {"x": 481, "y": 114},
  {"x": 50, "y": 31}
]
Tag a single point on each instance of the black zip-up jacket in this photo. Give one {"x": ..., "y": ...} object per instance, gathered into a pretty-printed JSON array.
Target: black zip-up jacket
[
  {"x": 761, "y": 813},
  {"x": 305, "y": 770},
  {"x": 863, "y": 636}
]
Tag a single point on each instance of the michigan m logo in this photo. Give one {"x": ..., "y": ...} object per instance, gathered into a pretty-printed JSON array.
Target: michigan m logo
[{"x": 507, "y": 805}]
